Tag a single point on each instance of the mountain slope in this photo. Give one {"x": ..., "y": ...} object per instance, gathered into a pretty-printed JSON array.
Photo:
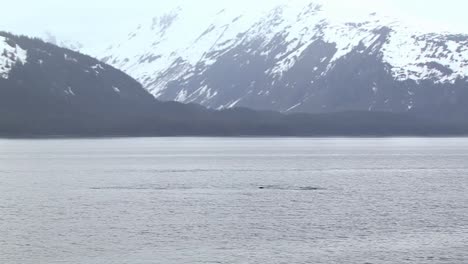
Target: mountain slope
[
  {"x": 43, "y": 86},
  {"x": 46, "y": 90},
  {"x": 63, "y": 75},
  {"x": 294, "y": 57}
]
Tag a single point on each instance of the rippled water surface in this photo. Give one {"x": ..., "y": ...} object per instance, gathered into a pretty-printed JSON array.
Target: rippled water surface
[{"x": 204, "y": 200}]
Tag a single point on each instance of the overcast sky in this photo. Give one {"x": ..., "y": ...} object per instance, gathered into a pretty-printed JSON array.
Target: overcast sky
[{"x": 96, "y": 21}]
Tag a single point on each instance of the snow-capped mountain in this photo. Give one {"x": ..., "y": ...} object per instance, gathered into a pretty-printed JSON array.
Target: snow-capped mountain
[
  {"x": 47, "y": 90},
  {"x": 294, "y": 57}
]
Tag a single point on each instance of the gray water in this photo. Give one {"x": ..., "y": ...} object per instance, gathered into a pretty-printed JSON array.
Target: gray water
[{"x": 204, "y": 200}]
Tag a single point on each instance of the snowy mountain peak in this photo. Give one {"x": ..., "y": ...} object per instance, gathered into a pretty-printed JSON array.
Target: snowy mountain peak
[{"x": 280, "y": 56}]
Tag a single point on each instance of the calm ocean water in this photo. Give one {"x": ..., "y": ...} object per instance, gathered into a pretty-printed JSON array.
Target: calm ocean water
[{"x": 207, "y": 200}]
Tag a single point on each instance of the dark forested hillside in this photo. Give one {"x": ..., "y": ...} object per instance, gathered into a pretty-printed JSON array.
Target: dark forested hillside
[{"x": 55, "y": 89}]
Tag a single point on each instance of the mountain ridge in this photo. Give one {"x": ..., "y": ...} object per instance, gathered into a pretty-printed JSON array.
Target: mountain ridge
[
  {"x": 288, "y": 58},
  {"x": 49, "y": 91}
]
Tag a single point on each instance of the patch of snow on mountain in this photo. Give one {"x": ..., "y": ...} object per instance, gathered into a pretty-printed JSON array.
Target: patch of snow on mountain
[
  {"x": 182, "y": 96},
  {"x": 426, "y": 57},
  {"x": 10, "y": 55},
  {"x": 69, "y": 58},
  {"x": 234, "y": 103},
  {"x": 69, "y": 91},
  {"x": 97, "y": 68}
]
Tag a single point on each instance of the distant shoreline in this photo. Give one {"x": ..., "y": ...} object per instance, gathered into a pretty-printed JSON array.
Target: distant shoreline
[{"x": 77, "y": 137}]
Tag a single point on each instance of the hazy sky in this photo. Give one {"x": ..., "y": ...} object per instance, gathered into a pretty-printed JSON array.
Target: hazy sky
[{"x": 95, "y": 21}]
